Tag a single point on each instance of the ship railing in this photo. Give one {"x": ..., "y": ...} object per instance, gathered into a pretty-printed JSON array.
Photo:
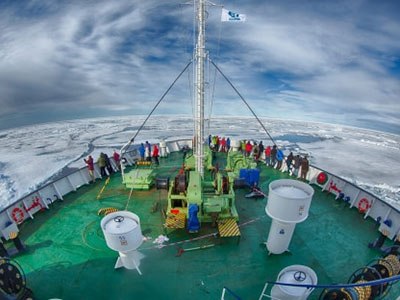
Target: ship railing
[
  {"x": 226, "y": 291},
  {"x": 311, "y": 288},
  {"x": 387, "y": 215},
  {"x": 58, "y": 186}
]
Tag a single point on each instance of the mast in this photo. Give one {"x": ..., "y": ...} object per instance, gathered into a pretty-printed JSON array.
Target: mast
[{"x": 199, "y": 88}]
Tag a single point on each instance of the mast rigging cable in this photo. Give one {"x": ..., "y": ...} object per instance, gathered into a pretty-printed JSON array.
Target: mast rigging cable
[
  {"x": 154, "y": 108},
  {"x": 245, "y": 102}
]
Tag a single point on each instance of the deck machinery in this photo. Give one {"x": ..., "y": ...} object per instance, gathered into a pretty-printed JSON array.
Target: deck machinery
[
  {"x": 141, "y": 177},
  {"x": 211, "y": 197}
]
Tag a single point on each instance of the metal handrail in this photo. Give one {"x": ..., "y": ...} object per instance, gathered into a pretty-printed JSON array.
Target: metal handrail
[{"x": 225, "y": 289}]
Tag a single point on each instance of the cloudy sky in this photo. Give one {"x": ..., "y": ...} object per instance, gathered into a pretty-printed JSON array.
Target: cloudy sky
[{"x": 330, "y": 61}]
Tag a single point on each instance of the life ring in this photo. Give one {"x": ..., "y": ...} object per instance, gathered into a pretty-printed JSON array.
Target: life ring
[
  {"x": 363, "y": 205},
  {"x": 322, "y": 178},
  {"x": 14, "y": 215}
]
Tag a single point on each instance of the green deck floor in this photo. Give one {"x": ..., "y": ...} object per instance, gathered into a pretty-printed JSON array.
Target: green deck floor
[{"x": 67, "y": 256}]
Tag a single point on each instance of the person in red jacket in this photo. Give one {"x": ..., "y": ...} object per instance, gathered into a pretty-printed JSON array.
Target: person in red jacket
[
  {"x": 90, "y": 164},
  {"x": 155, "y": 154},
  {"x": 218, "y": 143},
  {"x": 268, "y": 156},
  {"x": 223, "y": 144},
  {"x": 249, "y": 147},
  {"x": 117, "y": 159}
]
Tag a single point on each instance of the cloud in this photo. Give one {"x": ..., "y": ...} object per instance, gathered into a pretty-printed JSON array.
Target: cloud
[{"x": 330, "y": 59}]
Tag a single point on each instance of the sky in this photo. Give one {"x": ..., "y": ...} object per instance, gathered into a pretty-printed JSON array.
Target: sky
[{"x": 325, "y": 61}]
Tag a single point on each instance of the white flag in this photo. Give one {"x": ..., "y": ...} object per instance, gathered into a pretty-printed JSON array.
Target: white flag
[{"x": 230, "y": 16}]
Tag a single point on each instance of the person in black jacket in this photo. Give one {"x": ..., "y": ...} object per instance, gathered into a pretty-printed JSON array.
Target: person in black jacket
[
  {"x": 273, "y": 155},
  {"x": 289, "y": 160},
  {"x": 108, "y": 164},
  {"x": 261, "y": 148}
]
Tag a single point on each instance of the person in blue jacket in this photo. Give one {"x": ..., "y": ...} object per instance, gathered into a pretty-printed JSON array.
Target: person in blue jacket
[
  {"x": 279, "y": 158},
  {"x": 141, "y": 151}
]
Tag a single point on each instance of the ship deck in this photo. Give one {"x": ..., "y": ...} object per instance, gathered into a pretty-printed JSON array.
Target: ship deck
[{"x": 67, "y": 256}]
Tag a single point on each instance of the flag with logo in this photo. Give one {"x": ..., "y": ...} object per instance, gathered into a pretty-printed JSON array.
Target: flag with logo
[{"x": 230, "y": 16}]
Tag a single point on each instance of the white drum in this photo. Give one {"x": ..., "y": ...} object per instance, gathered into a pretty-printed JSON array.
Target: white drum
[
  {"x": 288, "y": 204},
  {"x": 122, "y": 232},
  {"x": 295, "y": 274}
]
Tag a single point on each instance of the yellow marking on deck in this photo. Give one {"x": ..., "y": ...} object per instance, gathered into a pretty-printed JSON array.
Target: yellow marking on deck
[
  {"x": 228, "y": 228},
  {"x": 175, "y": 220},
  {"x": 103, "y": 188}
]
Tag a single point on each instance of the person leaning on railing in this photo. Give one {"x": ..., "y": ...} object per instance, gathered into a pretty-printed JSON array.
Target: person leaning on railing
[{"x": 90, "y": 164}]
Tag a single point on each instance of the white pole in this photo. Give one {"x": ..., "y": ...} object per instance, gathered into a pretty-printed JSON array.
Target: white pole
[{"x": 199, "y": 88}]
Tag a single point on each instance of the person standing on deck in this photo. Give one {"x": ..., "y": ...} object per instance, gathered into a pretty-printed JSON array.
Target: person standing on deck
[
  {"x": 289, "y": 160},
  {"x": 214, "y": 142},
  {"x": 108, "y": 164},
  {"x": 243, "y": 147},
  {"x": 279, "y": 158},
  {"x": 268, "y": 156},
  {"x": 141, "y": 152},
  {"x": 155, "y": 154},
  {"x": 273, "y": 155},
  {"x": 261, "y": 149},
  {"x": 296, "y": 165},
  {"x": 148, "y": 151},
  {"x": 223, "y": 145},
  {"x": 249, "y": 147},
  {"x": 228, "y": 144},
  {"x": 117, "y": 159},
  {"x": 209, "y": 141},
  {"x": 304, "y": 167},
  {"x": 90, "y": 164},
  {"x": 102, "y": 164},
  {"x": 256, "y": 151}
]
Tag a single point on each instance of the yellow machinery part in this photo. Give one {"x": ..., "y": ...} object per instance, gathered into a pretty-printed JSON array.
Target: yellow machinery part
[
  {"x": 347, "y": 294},
  {"x": 394, "y": 262},
  {"x": 364, "y": 292},
  {"x": 387, "y": 265}
]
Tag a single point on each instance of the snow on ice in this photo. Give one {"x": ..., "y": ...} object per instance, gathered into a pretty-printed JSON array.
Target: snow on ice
[{"x": 31, "y": 155}]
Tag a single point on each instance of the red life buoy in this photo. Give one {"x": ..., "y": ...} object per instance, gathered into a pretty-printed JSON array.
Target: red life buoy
[
  {"x": 322, "y": 178},
  {"x": 363, "y": 205},
  {"x": 18, "y": 211}
]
